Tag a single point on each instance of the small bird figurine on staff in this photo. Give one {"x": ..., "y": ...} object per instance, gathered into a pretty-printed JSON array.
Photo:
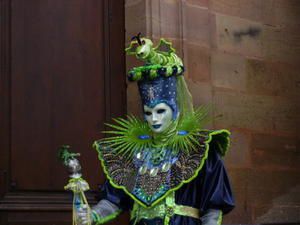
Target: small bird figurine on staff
[{"x": 76, "y": 183}]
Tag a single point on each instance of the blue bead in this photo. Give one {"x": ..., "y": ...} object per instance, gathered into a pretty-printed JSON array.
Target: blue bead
[
  {"x": 144, "y": 137},
  {"x": 182, "y": 132},
  {"x": 131, "y": 76},
  {"x": 162, "y": 71},
  {"x": 174, "y": 70}
]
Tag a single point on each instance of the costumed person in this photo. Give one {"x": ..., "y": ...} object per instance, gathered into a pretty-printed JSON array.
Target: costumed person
[{"x": 166, "y": 169}]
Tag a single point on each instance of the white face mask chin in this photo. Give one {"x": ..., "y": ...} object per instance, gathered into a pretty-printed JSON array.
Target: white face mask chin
[{"x": 159, "y": 117}]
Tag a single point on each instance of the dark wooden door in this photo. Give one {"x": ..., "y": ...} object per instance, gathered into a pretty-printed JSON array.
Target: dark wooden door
[{"x": 62, "y": 76}]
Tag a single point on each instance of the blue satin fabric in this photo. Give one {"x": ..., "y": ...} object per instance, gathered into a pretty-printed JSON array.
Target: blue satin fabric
[{"x": 210, "y": 189}]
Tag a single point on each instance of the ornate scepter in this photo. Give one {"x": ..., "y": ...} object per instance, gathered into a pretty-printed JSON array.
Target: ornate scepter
[{"x": 76, "y": 183}]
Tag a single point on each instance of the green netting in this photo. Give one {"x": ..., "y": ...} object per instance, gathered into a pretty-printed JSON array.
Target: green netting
[{"x": 184, "y": 98}]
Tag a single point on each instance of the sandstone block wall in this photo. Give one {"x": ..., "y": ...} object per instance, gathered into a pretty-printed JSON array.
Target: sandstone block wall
[{"x": 242, "y": 56}]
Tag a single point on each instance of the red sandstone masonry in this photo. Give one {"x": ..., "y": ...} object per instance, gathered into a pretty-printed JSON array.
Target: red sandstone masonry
[
  {"x": 272, "y": 78},
  {"x": 167, "y": 18},
  {"x": 200, "y": 3},
  {"x": 135, "y": 21},
  {"x": 276, "y": 152},
  {"x": 248, "y": 9},
  {"x": 243, "y": 56},
  {"x": 228, "y": 71},
  {"x": 243, "y": 209},
  {"x": 201, "y": 91},
  {"x": 197, "y": 62},
  {"x": 240, "y": 36},
  {"x": 280, "y": 213},
  {"x": 196, "y": 25},
  {"x": 256, "y": 112},
  {"x": 281, "y": 44},
  {"x": 271, "y": 12},
  {"x": 238, "y": 155}
]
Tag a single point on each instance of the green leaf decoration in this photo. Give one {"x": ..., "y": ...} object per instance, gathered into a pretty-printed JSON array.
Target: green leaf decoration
[
  {"x": 164, "y": 47},
  {"x": 131, "y": 50},
  {"x": 65, "y": 155}
]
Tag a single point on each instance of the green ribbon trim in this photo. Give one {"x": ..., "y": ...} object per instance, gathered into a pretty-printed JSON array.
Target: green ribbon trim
[
  {"x": 101, "y": 220},
  {"x": 164, "y": 210},
  {"x": 219, "y": 222},
  {"x": 74, "y": 180},
  {"x": 174, "y": 209},
  {"x": 225, "y": 133}
]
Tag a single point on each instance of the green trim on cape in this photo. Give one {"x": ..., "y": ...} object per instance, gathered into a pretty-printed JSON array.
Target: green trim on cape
[{"x": 223, "y": 134}]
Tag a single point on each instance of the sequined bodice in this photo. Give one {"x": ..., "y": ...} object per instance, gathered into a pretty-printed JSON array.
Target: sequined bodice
[{"x": 153, "y": 173}]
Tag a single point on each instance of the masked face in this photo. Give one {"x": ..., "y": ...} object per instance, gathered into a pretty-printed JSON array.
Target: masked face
[{"x": 159, "y": 117}]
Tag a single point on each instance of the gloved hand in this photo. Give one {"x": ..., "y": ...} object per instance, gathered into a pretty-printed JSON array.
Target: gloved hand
[
  {"x": 104, "y": 208},
  {"x": 84, "y": 215},
  {"x": 212, "y": 217}
]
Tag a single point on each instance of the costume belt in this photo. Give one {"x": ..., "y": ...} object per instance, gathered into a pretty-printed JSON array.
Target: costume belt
[{"x": 165, "y": 210}]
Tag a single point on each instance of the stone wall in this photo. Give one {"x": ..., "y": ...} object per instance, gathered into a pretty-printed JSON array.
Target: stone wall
[{"x": 242, "y": 56}]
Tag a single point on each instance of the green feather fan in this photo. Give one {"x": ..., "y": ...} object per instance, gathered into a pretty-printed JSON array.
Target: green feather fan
[
  {"x": 191, "y": 124},
  {"x": 126, "y": 135},
  {"x": 132, "y": 134}
]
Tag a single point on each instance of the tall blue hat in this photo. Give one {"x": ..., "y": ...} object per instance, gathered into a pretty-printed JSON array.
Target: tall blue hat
[
  {"x": 160, "y": 90},
  {"x": 158, "y": 78}
]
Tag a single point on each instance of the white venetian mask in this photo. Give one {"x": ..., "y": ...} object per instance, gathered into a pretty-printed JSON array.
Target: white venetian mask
[{"x": 159, "y": 117}]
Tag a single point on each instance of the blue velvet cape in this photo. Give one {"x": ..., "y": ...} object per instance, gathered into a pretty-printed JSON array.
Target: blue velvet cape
[{"x": 209, "y": 190}]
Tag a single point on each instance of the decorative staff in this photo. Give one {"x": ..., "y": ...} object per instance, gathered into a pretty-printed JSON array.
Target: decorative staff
[{"x": 76, "y": 184}]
